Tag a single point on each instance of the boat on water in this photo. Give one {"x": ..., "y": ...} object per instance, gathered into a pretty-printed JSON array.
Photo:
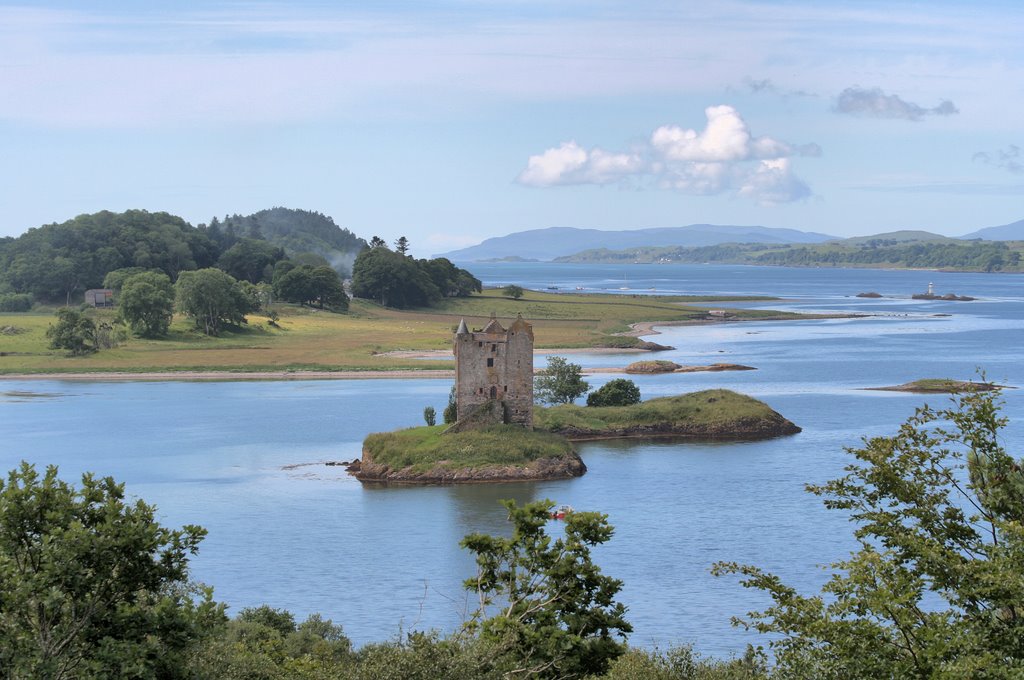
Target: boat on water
[{"x": 561, "y": 511}]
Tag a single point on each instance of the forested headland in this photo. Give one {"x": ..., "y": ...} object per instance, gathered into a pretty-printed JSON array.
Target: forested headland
[
  {"x": 948, "y": 254},
  {"x": 56, "y": 263}
]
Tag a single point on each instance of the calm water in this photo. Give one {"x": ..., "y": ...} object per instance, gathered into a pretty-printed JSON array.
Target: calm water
[{"x": 233, "y": 456}]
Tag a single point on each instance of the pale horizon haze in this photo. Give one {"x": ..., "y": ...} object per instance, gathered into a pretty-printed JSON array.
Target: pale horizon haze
[{"x": 450, "y": 122}]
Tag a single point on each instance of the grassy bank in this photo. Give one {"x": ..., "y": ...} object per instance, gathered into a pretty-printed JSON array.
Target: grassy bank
[
  {"x": 715, "y": 413},
  {"x": 305, "y": 339},
  {"x": 425, "y": 448}
]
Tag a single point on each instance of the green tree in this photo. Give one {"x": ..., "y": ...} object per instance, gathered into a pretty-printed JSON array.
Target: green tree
[
  {"x": 513, "y": 291},
  {"x": 74, "y": 332},
  {"x": 115, "y": 279},
  {"x": 560, "y": 383},
  {"x": 15, "y": 302},
  {"x": 378, "y": 242},
  {"x": 402, "y": 245},
  {"x": 430, "y": 416},
  {"x": 91, "y": 586},
  {"x": 212, "y": 298},
  {"x": 544, "y": 605},
  {"x": 146, "y": 303},
  {"x": 936, "y": 587},
  {"x": 251, "y": 260},
  {"x": 617, "y": 392},
  {"x": 450, "y": 280},
  {"x": 451, "y": 409},
  {"x": 320, "y": 286},
  {"x": 392, "y": 279}
]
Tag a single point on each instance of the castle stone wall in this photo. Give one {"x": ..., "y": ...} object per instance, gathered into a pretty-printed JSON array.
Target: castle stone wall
[{"x": 495, "y": 364}]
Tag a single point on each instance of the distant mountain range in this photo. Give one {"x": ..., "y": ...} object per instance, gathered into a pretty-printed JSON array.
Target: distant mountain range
[
  {"x": 1014, "y": 231},
  {"x": 548, "y": 244}
]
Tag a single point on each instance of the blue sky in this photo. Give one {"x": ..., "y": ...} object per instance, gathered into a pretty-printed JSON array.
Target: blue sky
[{"x": 449, "y": 122}]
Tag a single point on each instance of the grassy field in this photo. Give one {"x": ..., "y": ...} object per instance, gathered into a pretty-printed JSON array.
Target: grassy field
[
  {"x": 306, "y": 339},
  {"x": 424, "y": 448}
]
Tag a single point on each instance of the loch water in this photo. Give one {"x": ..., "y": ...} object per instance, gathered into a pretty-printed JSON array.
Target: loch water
[{"x": 241, "y": 458}]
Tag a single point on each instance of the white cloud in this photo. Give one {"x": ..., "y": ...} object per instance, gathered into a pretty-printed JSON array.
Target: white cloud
[
  {"x": 723, "y": 157},
  {"x": 572, "y": 164}
]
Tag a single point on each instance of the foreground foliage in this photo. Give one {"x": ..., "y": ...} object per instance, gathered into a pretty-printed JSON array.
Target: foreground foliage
[
  {"x": 544, "y": 606},
  {"x": 91, "y": 586},
  {"x": 937, "y": 586}
]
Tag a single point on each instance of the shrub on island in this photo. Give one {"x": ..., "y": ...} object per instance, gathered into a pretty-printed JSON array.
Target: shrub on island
[{"x": 617, "y": 392}]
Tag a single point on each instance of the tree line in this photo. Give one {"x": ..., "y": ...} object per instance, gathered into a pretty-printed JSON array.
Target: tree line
[
  {"x": 92, "y": 586},
  {"x": 395, "y": 279},
  {"x": 56, "y": 262},
  {"x": 985, "y": 256}
]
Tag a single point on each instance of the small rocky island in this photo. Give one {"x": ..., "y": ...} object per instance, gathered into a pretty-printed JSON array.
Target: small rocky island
[
  {"x": 940, "y": 386},
  {"x": 930, "y": 294},
  {"x": 499, "y": 436}
]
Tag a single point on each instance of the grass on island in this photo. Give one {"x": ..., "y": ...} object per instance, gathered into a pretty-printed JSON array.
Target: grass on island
[
  {"x": 307, "y": 339},
  {"x": 427, "y": 448},
  {"x": 708, "y": 409}
]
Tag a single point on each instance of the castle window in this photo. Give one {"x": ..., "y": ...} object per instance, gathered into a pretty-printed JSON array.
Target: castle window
[
  {"x": 490, "y": 362},
  {"x": 480, "y": 344},
  {"x": 481, "y": 390},
  {"x": 494, "y": 348},
  {"x": 506, "y": 388},
  {"x": 494, "y": 392}
]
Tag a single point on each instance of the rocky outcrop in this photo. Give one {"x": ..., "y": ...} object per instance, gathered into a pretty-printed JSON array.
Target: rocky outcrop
[
  {"x": 714, "y": 367},
  {"x": 656, "y": 366},
  {"x": 562, "y": 467},
  {"x": 649, "y": 346},
  {"x": 940, "y": 386}
]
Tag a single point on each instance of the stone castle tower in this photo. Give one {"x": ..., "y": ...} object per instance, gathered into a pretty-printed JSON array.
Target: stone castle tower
[{"x": 495, "y": 364}]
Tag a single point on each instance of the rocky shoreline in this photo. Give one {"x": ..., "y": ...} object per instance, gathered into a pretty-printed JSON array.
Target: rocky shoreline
[{"x": 563, "y": 467}]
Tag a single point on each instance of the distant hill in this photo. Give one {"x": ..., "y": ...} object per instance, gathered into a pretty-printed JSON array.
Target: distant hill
[
  {"x": 547, "y": 244},
  {"x": 297, "y": 231},
  {"x": 894, "y": 237},
  {"x": 1006, "y": 232},
  {"x": 874, "y": 252}
]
